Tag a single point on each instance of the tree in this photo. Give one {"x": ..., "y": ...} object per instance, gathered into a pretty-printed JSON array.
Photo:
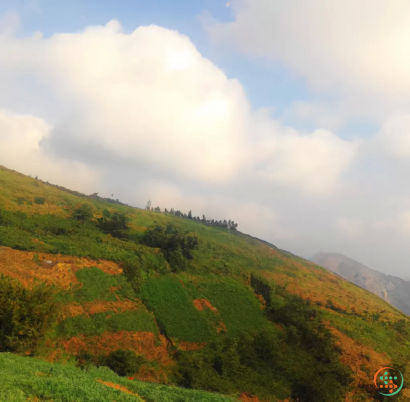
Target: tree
[
  {"x": 165, "y": 210},
  {"x": 157, "y": 209},
  {"x": 114, "y": 223},
  {"x": 83, "y": 213},
  {"x": 190, "y": 214},
  {"x": 25, "y": 315},
  {"x": 124, "y": 362}
]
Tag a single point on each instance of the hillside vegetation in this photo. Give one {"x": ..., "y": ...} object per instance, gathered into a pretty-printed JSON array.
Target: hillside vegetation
[{"x": 168, "y": 299}]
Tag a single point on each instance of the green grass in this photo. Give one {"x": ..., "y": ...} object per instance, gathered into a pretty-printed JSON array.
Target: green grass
[
  {"x": 234, "y": 301},
  {"x": 23, "y": 378},
  {"x": 97, "y": 324},
  {"x": 174, "y": 311},
  {"x": 96, "y": 285}
]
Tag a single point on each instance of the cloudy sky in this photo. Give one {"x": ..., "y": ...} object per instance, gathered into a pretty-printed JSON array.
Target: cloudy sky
[{"x": 291, "y": 118}]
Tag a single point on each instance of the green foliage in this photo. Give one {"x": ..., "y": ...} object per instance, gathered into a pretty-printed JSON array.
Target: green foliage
[
  {"x": 39, "y": 200},
  {"x": 25, "y": 315},
  {"x": 36, "y": 259},
  {"x": 329, "y": 377},
  {"x": 23, "y": 378},
  {"x": 236, "y": 365},
  {"x": 177, "y": 247},
  {"x": 234, "y": 301},
  {"x": 114, "y": 223},
  {"x": 133, "y": 272},
  {"x": 98, "y": 285},
  {"x": 124, "y": 362},
  {"x": 174, "y": 311},
  {"x": 83, "y": 213},
  {"x": 138, "y": 320}
]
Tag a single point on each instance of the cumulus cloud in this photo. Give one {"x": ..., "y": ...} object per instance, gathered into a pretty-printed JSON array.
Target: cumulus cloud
[
  {"x": 354, "y": 51},
  {"x": 331, "y": 43},
  {"x": 150, "y": 99},
  {"x": 20, "y": 136}
]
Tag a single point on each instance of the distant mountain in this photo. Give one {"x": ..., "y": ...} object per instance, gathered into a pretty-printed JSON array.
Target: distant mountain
[{"x": 392, "y": 289}]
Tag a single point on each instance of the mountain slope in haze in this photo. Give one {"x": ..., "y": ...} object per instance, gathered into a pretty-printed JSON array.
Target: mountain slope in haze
[
  {"x": 233, "y": 315},
  {"x": 392, "y": 289}
]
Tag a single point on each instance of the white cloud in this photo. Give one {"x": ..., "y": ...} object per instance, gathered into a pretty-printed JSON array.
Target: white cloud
[
  {"x": 312, "y": 161},
  {"x": 350, "y": 227},
  {"x": 20, "y": 136},
  {"x": 151, "y": 98},
  {"x": 252, "y": 218},
  {"x": 394, "y": 136},
  {"x": 331, "y": 43}
]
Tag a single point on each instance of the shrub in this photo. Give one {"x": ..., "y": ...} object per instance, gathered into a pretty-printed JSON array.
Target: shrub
[
  {"x": 124, "y": 362},
  {"x": 176, "y": 247},
  {"x": 83, "y": 213},
  {"x": 25, "y": 315},
  {"x": 39, "y": 200},
  {"x": 114, "y": 223}
]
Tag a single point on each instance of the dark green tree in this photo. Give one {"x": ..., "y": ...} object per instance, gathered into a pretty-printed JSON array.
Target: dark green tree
[{"x": 83, "y": 213}]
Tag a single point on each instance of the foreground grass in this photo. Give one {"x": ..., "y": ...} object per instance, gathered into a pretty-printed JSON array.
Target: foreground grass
[{"x": 24, "y": 378}]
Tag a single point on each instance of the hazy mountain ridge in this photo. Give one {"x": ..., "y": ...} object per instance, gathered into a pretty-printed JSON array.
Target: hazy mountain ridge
[{"x": 392, "y": 289}]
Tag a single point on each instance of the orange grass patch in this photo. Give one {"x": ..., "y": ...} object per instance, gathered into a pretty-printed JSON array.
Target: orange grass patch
[
  {"x": 200, "y": 304},
  {"x": 119, "y": 387},
  {"x": 144, "y": 343},
  {"x": 91, "y": 308},
  {"x": 191, "y": 346},
  {"x": 353, "y": 355},
  {"x": 249, "y": 398},
  {"x": 61, "y": 271}
]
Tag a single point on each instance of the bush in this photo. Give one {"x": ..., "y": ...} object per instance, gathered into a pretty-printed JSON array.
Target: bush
[
  {"x": 83, "y": 213},
  {"x": 39, "y": 200},
  {"x": 25, "y": 315},
  {"x": 124, "y": 362},
  {"x": 176, "y": 247},
  {"x": 114, "y": 223}
]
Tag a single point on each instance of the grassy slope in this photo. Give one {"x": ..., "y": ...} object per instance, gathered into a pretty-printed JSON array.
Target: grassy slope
[
  {"x": 367, "y": 327},
  {"x": 25, "y": 379}
]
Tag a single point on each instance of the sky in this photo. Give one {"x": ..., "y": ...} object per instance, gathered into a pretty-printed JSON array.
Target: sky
[{"x": 290, "y": 118}]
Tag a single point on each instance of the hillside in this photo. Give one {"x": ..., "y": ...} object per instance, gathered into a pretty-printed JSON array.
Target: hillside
[
  {"x": 198, "y": 307},
  {"x": 392, "y": 289}
]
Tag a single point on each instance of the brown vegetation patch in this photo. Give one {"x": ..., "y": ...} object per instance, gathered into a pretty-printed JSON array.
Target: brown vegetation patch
[
  {"x": 144, "y": 343},
  {"x": 91, "y": 308},
  {"x": 249, "y": 398},
  {"x": 359, "y": 357},
  {"x": 200, "y": 304},
  {"x": 59, "y": 271},
  {"x": 221, "y": 327},
  {"x": 191, "y": 346},
  {"x": 150, "y": 374},
  {"x": 119, "y": 387}
]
